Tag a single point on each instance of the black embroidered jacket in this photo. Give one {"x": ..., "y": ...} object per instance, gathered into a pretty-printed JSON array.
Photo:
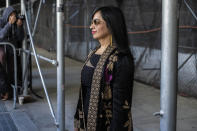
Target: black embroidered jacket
[{"x": 111, "y": 94}]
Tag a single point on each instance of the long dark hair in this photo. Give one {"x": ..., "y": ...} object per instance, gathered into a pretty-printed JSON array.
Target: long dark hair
[{"x": 115, "y": 21}]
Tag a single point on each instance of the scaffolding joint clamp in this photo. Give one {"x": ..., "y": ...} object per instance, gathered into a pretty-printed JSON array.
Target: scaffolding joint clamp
[
  {"x": 160, "y": 114},
  {"x": 56, "y": 124},
  {"x": 60, "y": 8},
  {"x": 54, "y": 62}
]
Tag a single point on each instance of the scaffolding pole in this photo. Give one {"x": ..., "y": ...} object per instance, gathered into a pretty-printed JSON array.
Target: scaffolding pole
[
  {"x": 60, "y": 68},
  {"x": 38, "y": 65},
  {"x": 86, "y": 32},
  {"x": 67, "y": 33},
  {"x": 169, "y": 66},
  {"x": 24, "y": 46},
  {"x": 54, "y": 62},
  {"x": 7, "y": 3}
]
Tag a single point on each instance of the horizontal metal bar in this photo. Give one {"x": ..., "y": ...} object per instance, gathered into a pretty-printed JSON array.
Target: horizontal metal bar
[
  {"x": 186, "y": 47},
  {"x": 151, "y": 68},
  {"x": 54, "y": 62}
]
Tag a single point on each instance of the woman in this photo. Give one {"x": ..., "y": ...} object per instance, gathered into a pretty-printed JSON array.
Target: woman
[{"x": 107, "y": 76}]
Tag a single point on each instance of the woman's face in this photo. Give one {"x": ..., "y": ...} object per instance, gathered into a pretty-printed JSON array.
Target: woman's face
[{"x": 98, "y": 27}]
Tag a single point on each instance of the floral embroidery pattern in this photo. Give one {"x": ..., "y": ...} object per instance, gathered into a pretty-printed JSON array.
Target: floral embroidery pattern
[
  {"x": 128, "y": 124},
  {"x": 107, "y": 100}
]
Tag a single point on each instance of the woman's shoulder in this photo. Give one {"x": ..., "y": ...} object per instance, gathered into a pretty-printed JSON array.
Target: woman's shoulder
[
  {"x": 124, "y": 63},
  {"x": 124, "y": 60},
  {"x": 125, "y": 57}
]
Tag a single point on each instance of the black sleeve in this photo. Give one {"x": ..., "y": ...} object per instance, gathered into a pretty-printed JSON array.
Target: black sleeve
[
  {"x": 76, "y": 116},
  {"x": 122, "y": 85}
]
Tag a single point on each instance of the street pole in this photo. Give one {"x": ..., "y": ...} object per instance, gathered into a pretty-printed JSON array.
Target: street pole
[
  {"x": 60, "y": 68},
  {"x": 169, "y": 66}
]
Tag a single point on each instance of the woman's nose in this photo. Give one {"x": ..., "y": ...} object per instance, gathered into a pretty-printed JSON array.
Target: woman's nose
[{"x": 90, "y": 26}]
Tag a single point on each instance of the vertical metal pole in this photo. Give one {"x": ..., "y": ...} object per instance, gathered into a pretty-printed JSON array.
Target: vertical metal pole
[
  {"x": 169, "y": 66},
  {"x": 7, "y": 3},
  {"x": 86, "y": 18},
  {"x": 24, "y": 46},
  {"x": 67, "y": 27},
  {"x": 60, "y": 68},
  {"x": 28, "y": 2}
]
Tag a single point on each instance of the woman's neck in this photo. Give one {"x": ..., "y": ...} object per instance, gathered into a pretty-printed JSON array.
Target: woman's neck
[{"x": 104, "y": 44}]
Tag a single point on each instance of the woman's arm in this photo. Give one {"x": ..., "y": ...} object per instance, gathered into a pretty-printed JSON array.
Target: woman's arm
[
  {"x": 76, "y": 116},
  {"x": 122, "y": 85},
  {"x": 4, "y": 31},
  {"x": 79, "y": 115}
]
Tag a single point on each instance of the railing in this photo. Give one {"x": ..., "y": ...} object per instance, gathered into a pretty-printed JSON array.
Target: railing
[{"x": 15, "y": 71}]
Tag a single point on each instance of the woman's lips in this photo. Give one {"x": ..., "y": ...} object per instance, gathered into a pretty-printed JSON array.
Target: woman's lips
[{"x": 93, "y": 32}]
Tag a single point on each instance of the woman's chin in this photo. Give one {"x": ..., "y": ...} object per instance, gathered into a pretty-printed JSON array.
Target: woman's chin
[{"x": 95, "y": 37}]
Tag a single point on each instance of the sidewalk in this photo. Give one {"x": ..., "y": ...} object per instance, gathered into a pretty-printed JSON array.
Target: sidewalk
[{"x": 146, "y": 101}]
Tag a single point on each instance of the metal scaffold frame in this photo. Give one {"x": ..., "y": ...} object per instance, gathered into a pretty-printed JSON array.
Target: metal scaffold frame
[
  {"x": 7, "y": 3},
  {"x": 168, "y": 98},
  {"x": 60, "y": 120},
  {"x": 60, "y": 67},
  {"x": 37, "y": 62},
  {"x": 169, "y": 66}
]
